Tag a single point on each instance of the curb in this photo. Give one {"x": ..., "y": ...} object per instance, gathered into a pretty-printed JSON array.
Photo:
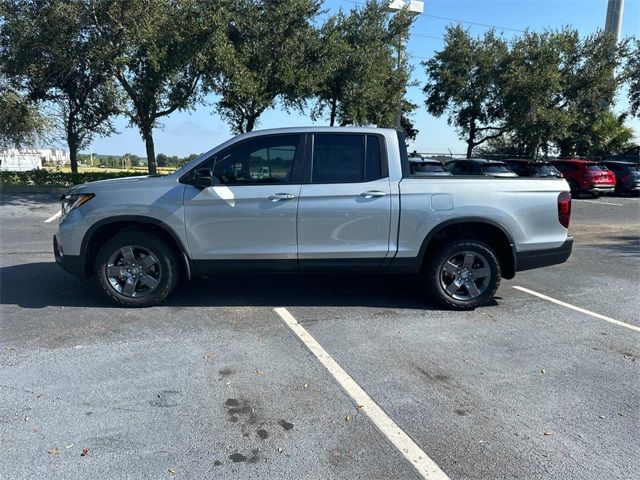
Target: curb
[{"x": 10, "y": 190}]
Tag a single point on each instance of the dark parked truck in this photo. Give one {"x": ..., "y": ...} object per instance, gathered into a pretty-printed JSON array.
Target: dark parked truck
[{"x": 310, "y": 200}]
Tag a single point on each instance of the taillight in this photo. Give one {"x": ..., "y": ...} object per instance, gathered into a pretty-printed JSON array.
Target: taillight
[{"x": 564, "y": 209}]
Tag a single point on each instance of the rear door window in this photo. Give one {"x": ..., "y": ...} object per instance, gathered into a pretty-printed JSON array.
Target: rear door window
[{"x": 351, "y": 158}]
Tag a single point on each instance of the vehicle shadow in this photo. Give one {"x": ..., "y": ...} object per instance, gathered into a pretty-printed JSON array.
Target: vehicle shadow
[
  {"x": 38, "y": 285},
  {"x": 27, "y": 199},
  {"x": 620, "y": 246}
]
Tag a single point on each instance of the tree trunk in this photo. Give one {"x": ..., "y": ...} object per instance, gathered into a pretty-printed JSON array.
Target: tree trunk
[
  {"x": 334, "y": 107},
  {"x": 73, "y": 153},
  {"x": 72, "y": 141},
  {"x": 471, "y": 138},
  {"x": 469, "y": 148},
  {"x": 251, "y": 122},
  {"x": 147, "y": 135}
]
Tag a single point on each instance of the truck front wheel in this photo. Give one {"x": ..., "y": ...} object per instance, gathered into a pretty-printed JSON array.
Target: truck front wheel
[
  {"x": 136, "y": 269},
  {"x": 463, "y": 274}
]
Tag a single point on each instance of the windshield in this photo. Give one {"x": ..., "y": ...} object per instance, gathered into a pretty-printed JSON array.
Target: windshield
[
  {"x": 596, "y": 168},
  {"x": 547, "y": 170},
  {"x": 495, "y": 168},
  {"x": 427, "y": 167}
]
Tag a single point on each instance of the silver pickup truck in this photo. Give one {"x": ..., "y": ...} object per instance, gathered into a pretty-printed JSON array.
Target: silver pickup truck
[{"x": 309, "y": 200}]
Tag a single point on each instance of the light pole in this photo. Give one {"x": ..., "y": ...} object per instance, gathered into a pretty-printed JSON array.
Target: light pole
[
  {"x": 414, "y": 7},
  {"x": 613, "y": 22}
]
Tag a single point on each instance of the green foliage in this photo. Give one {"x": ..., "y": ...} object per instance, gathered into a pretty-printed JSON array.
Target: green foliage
[
  {"x": 464, "y": 83},
  {"x": 554, "y": 83},
  {"x": 48, "y": 178},
  {"x": 262, "y": 57},
  {"x": 359, "y": 78},
  {"x": 632, "y": 76},
  {"x": 542, "y": 91},
  {"x": 157, "y": 49},
  {"x": 602, "y": 135},
  {"x": 21, "y": 123},
  {"x": 50, "y": 50}
]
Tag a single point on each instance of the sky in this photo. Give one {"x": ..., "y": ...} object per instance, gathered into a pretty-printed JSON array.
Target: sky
[{"x": 200, "y": 129}]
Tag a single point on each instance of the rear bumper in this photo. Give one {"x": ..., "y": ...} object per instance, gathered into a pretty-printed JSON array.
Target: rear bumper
[
  {"x": 73, "y": 264},
  {"x": 544, "y": 258},
  {"x": 601, "y": 189}
]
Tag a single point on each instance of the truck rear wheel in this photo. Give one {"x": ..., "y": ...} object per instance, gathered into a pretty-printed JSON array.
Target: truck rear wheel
[
  {"x": 136, "y": 269},
  {"x": 464, "y": 274}
]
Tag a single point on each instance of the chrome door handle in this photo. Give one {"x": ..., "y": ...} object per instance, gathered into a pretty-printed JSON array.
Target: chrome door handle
[
  {"x": 281, "y": 196},
  {"x": 372, "y": 193}
]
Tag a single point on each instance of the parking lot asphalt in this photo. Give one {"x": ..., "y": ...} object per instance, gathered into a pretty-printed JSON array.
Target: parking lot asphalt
[{"x": 213, "y": 384}]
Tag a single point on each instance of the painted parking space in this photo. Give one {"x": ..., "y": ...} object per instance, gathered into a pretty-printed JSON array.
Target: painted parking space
[{"x": 213, "y": 384}]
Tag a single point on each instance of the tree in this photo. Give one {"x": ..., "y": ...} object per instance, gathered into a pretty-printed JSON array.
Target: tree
[
  {"x": 21, "y": 123},
  {"x": 553, "y": 84},
  {"x": 49, "y": 49},
  {"x": 602, "y": 134},
  {"x": 129, "y": 160},
  {"x": 464, "y": 83},
  {"x": 632, "y": 76},
  {"x": 359, "y": 78},
  {"x": 263, "y": 58},
  {"x": 162, "y": 160},
  {"x": 158, "y": 51}
]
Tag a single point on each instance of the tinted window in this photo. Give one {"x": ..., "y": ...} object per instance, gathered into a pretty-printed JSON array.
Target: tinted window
[
  {"x": 262, "y": 160},
  {"x": 596, "y": 168},
  {"x": 456, "y": 167},
  {"x": 346, "y": 159},
  {"x": 519, "y": 168},
  {"x": 427, "y": 167},
  {"x": 616, "y": 167},
  {"x": 373, "y": 167},
  {"x": 566, "y": 167},
  {"x": 495, "y": 168},
  {"x": 546, "y": 170}
]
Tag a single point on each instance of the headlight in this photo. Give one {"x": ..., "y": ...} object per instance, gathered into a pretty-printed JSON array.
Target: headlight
[{"x": 74, "y": 200}]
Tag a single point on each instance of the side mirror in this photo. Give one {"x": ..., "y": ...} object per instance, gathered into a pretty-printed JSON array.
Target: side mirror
[{"x": 202, "y": 178}]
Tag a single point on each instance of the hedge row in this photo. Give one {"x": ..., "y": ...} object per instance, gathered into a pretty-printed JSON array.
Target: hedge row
[{"x": 47, "y": 178}]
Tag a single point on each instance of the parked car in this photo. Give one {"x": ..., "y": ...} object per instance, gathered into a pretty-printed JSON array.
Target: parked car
[
  {"x": 627, "y": 176},
  {"x": 336, "y": 199},
  {"x": 529, "y": 168},
  {"x": 586, "y": 176},
  {"x": 479, "y": 166},
  {"x": 421, "y": 167},
  {"x": 632, "y": 155}
]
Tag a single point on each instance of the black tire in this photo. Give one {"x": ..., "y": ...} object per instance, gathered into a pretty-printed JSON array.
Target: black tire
[
  {"x": 151, "y": 284},
  {"x": 436, "y": 274}
]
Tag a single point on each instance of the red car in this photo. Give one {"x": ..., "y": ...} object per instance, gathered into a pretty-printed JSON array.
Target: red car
[{"x": 586, "y": 176}]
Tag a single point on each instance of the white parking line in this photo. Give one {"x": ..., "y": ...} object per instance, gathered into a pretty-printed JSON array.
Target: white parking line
[
  {"x": 601, "y": 203},
  {"x": 427, "y": 468},
  {"x": 53, "y": 217},
  {"x": 578, "y": 309}
]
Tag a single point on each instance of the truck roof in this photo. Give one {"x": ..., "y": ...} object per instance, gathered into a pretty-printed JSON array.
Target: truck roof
[{"x": 315, "y": 128}]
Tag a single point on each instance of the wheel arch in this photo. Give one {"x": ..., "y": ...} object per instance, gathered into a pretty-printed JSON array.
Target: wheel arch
[
  {"x": 490, "y": 231},
  {"x": 104, "y": 229}
]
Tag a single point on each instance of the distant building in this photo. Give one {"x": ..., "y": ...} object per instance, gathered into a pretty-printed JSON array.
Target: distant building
[{"x": 22, "y": 160}]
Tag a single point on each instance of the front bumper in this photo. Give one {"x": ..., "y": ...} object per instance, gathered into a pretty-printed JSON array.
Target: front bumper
[
  {"x": 544, "y": 258},
  {"x": 73, "y": 264}
]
